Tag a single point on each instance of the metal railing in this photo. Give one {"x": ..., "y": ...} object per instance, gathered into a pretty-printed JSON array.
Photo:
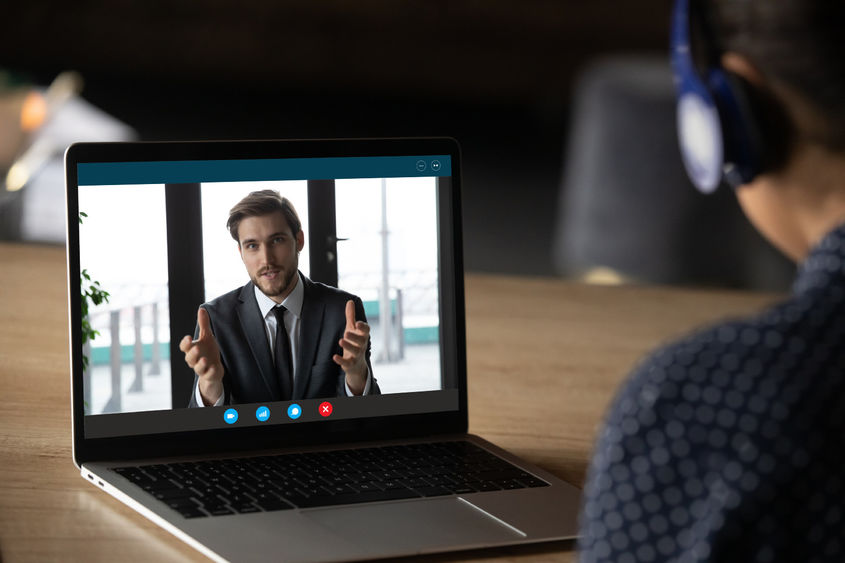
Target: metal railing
[{"x": 113, "y": 322}]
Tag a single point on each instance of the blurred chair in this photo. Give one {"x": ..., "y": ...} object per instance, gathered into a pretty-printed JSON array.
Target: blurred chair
[{"x": 627, "y": 210}]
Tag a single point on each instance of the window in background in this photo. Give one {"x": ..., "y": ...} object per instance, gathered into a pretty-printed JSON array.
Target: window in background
[
  {"x": 391, "y": 227},
  {"x": 123, "y": 245}
]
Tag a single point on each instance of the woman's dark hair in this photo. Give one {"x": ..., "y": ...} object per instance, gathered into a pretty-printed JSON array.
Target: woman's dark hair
[
  {"x": 260, "y": 203},
  {"x": 797, "y": 42}
]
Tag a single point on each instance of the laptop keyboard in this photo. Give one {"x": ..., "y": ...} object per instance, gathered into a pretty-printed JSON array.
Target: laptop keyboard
[{"x": 306, "y": 480}]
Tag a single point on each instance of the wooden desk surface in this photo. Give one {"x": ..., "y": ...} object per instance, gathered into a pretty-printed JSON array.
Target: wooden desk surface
[{"x": 544, "y": 358}]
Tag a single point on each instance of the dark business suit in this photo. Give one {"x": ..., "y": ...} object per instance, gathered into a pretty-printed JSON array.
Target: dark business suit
[{"x": 249, "y": 373}]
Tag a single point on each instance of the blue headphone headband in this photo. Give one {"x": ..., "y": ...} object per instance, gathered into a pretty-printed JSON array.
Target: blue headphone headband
[{"x": 714, "y": 123}]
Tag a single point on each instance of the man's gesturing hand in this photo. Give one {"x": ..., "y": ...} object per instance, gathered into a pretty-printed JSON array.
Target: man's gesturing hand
[
  {"x": 354, "y": 344},
  {"x": 203, "y": 356}
]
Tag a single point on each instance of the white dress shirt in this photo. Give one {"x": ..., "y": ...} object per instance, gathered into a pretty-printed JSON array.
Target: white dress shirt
[{"x": 293, "y": 316}]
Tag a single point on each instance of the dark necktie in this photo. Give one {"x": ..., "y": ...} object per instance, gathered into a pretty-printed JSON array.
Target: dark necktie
[{"x": 282, "y": 355}]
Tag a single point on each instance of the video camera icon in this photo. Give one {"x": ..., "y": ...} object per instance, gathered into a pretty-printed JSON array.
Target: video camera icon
[{"x": 230, "y": 416}]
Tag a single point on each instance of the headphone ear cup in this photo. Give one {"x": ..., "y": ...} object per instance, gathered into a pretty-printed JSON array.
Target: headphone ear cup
[{"x": 755, "y": 127}]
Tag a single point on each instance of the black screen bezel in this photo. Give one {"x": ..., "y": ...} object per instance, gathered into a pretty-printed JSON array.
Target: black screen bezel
[{"x": 258, "y": 438}]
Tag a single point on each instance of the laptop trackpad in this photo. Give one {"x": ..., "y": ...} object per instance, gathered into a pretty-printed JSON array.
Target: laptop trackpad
[{"x": 416, "y": 525}]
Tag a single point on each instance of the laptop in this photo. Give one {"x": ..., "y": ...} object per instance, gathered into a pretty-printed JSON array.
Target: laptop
[{"x": 324, "y": 472}]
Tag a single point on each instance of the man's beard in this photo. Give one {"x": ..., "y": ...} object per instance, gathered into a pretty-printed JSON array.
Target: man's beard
[{"x": 273, "y": 288}]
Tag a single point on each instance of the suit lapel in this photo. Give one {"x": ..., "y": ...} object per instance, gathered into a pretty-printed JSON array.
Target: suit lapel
[
  {"x": 256, "y": 336},
  {"x": 312, "y": 324}
]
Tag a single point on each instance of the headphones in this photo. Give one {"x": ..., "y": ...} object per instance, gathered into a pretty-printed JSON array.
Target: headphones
[{"x": 728, "y": 129}]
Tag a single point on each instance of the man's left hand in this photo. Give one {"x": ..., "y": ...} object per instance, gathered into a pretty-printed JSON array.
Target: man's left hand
[{"x": 354, "y": 344}]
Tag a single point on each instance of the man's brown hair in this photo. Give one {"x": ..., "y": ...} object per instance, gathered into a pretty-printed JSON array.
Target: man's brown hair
[{"x": 260, "y": 203}]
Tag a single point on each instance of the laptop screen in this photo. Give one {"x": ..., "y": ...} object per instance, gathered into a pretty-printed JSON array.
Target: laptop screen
[{"x": 183, "y": 250}]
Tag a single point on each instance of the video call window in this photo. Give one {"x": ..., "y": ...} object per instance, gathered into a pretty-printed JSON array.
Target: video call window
[{"x": 386, "y": 231}]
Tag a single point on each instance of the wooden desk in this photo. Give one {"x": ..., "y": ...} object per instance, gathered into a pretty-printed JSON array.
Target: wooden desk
[{"x": 544, "y": 359}]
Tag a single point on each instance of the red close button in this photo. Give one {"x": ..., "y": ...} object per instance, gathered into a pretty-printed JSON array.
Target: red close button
[{"x": 325, "y": 408}]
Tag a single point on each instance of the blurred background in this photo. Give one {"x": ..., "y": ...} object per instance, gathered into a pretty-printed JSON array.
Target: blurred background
[{"x": 563, "y": 109}]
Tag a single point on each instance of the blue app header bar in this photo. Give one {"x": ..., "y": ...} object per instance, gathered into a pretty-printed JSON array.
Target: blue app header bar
[{"x": 246, "y": 170}]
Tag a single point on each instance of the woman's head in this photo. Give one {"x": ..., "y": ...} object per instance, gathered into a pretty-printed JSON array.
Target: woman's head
[{"x": 787, "y": 54}]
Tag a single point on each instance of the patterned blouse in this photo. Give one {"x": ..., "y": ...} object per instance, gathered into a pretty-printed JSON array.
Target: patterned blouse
[{"x": 729, "y": 445}]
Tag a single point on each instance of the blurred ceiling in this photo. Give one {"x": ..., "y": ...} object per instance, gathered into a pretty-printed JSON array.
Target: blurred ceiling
[{"x": 491, "y": 50}]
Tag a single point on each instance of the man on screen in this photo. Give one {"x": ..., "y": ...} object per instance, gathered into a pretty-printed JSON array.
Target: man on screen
[{"x": 281, "y": 336}]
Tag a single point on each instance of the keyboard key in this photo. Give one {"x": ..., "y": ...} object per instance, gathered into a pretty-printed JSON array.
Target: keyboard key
[
  {"x": 433, "y": 491},
  {"x": 415, "y": 483},
  {"x": 172, "y": 493},
  {"x": 488, "y": 486},
  {"x": 462, "y": 490},
  {"x": 273, "y": 505},
  {"x": 356, "y": 498},
  {"x": 366, "y": 487},
  {"x": 533, "y": 482},
  {"x": 340, "y": 489},
  {"x": 509, "y": 484},
  {"x": 189, "y": 512},
  {"x": 392, "y": 486},
  {"x": 180, "y": 503},
  {"x": 294, "y": 498}
]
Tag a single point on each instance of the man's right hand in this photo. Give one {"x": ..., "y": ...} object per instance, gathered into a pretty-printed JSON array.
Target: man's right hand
[{"x": 203, "y": 356}]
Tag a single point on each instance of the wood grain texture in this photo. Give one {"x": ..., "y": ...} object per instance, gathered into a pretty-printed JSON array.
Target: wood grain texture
[{"x": 544, "y": 358}]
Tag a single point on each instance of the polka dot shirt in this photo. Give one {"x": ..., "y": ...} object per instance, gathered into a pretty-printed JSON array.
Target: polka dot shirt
[{"x": 729, "y": 445}]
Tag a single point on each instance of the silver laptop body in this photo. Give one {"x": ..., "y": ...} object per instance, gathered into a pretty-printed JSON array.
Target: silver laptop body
[{"x": 399, "y": 201}]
